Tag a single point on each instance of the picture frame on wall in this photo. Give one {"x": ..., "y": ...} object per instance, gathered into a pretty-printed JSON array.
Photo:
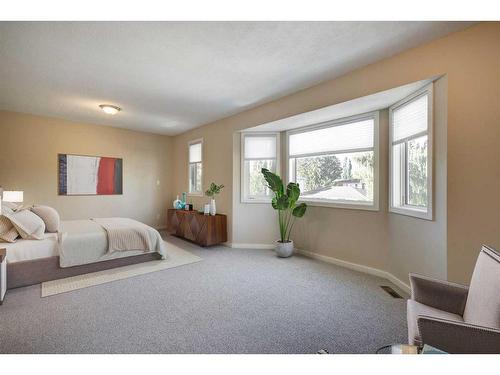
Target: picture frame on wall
[{"x": 89, "y": 175}]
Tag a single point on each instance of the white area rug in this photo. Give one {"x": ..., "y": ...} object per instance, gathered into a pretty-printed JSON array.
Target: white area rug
[{"x": 175, "y": 257}]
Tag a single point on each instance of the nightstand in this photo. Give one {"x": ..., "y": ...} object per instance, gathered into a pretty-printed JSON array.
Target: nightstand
[{"x": 3, "y": 274}]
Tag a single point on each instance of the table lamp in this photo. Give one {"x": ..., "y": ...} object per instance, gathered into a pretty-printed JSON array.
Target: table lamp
[{"x": 12, "y": 196}]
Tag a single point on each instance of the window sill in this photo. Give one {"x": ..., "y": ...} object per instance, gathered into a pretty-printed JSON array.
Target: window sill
[
  {"x": 255, "y": 201},
  {"x": 412, "y": 212},
  {"x": 340, "y": 204},
  {"x": 195, "y": 194}
]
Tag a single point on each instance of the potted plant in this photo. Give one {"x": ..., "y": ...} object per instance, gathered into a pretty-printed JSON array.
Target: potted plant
[
  {"x": 285, "y": 202},
  {"x": 212, "y": 191}
]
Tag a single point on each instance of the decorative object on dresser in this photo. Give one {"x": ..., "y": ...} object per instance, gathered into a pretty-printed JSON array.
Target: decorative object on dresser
[
  {"x": 180, "y": 204},
  {"x": 205, "y": 230},
  {"x": 212, "y": 191},
  {"x": 3, "y": 274}
]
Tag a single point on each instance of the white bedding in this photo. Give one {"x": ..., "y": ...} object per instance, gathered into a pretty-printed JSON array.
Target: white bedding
[
  {"x": 81, "y": 242},
  {"x": 22, "y": 250}
]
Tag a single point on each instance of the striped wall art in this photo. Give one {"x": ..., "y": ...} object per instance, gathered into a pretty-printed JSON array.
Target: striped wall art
[{"x": 89, "y": 175}]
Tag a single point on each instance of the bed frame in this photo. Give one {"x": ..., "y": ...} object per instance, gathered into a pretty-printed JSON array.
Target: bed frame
[{"x": 37, "y": 271}]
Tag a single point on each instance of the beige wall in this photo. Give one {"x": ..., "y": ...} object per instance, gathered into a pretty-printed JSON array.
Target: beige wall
[
  {"x": 417, "y": 245},
  {"x": 28, "y": 162},
  {"x": 250, "y": 218},
  {"x": 470, "y": 59},
  {"x": 358, "y": 236}
]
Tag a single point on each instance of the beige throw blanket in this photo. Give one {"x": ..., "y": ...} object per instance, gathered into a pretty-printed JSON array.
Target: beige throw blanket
[{"x": 126, "y": 234}]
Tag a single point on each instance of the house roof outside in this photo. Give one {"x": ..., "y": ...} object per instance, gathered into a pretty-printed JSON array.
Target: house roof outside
[{"x": 346, "y": 193}]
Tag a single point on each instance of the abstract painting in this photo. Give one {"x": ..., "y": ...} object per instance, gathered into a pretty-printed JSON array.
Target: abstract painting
[{"x": 90, "y": 175}]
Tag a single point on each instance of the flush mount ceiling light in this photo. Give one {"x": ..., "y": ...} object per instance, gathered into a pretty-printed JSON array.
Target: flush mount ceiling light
[{"x": 110, "y": 109}]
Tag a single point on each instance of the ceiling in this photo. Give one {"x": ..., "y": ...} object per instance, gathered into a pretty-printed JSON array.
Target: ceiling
[{"x": 169, "y": 77}]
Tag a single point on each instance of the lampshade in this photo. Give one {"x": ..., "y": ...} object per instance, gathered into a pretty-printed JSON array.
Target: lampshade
[{"x": 13, "y": 196}]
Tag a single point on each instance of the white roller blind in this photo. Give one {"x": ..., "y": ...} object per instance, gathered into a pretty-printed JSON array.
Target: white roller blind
[
  {"x": 260, "y": 147},
  {"x": 351, "y": 136},
  {"x": 195, "y": 153},
  {"x": 410, "y": 119}
]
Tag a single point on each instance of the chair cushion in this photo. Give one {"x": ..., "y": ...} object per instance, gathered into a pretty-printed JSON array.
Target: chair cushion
[
  {"x": 483, "y": 302},
  {"x": 416, "y": 309}
]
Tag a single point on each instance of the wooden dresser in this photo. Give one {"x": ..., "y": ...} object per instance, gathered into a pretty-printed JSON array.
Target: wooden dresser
[{"x": 205, "y": 230}]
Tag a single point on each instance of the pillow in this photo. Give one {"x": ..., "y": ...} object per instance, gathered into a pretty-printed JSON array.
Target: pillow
[
  {"x": 29, "y": 225},
  {"x": 49, "y": 216},
  {"x": 7, "y": 231}
]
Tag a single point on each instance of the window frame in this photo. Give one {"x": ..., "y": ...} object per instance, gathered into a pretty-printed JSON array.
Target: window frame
[
  {"x": 243, "y": 197},
  {"x": 196, "y": 193},
  {"x": 404, "y": 208},
  {"x": 372, "y": 206}
]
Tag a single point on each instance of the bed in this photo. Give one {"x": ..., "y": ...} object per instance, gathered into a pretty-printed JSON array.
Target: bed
[{"x": 81, "y": 246}]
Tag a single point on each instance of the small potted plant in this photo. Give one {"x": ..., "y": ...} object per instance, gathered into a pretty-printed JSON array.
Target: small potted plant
[
  {"x": 285, "y": 202},
  {"x": 212, "y": 191}
]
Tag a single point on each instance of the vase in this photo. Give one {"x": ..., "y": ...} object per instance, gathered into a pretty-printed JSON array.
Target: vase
[
  {"x": 206, "y": 209},
  {"x": 213, "y": 209},
  {"x": 284, "y": 249},
  {"x": 177, "y": 203},
  {"x": 183, "y": 200}
]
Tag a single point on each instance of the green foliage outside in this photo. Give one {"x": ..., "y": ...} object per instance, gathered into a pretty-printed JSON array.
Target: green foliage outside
[
  {"x": 321, "y": 171},
  {"x": 318, "y": 172},
  {"x": 256, "y": 182},
  {"x": 417, "y": 172}
]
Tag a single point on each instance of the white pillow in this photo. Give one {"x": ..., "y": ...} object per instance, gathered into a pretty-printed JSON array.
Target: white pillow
[
  {"x": 49, "y": 216},
  {"x": 29, "y": 225},
  {"x": 7, "y": 231}
]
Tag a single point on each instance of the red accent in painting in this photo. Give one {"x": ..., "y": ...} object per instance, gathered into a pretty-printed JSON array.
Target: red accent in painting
[{"x": 106, "y": 176}]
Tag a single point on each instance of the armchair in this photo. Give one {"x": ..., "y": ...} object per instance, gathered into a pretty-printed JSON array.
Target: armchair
[{"x": 456, "y": 318}]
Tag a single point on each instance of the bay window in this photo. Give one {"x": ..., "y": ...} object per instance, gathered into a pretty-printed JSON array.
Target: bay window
[
  {"x": 258, "y": 150},
  {"x": 411, "y": 155},
  {"x": 336, "y": 163}
]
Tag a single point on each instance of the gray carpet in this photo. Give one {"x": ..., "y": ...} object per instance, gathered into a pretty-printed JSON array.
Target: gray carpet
[{"x": 234, "y": 301}]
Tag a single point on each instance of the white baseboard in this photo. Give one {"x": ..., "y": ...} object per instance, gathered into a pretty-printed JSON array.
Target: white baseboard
[
  {"x": 358, "y": 267},
  {"x": 259, "y": 246},
  {"x": 339, "y": 262}
]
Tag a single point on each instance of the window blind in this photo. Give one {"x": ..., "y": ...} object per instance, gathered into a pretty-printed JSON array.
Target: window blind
[
  {"x": 260, "y": 147},
  {"x": 410, "y": 119},
  {"x": 195, "y": 153},
  {"x": 352, "y": 136}
]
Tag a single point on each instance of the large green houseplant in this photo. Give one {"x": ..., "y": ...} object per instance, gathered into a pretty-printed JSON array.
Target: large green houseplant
[{"x": 285, "y": 202}]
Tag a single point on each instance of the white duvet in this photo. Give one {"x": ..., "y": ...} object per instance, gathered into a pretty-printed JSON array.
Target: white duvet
[{"x": 79, "y": 242}]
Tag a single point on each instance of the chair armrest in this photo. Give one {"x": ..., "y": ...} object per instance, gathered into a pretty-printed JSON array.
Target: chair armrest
[
  {"x": 439, "y": 294},
  {"x": 458, "y": 337}
]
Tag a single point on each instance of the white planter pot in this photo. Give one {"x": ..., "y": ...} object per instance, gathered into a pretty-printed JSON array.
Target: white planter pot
[
  {"x": 213, "y": 209},
  {"x": 284, "y": 249}
]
